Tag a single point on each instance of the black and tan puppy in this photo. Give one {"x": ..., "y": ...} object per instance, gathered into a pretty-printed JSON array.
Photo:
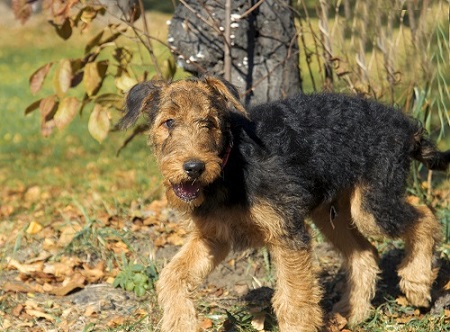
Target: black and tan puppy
[{"x": 248, "y": 179}]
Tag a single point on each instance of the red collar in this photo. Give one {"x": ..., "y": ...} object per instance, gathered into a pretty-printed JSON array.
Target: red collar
[{"x": 227, "y": 154}]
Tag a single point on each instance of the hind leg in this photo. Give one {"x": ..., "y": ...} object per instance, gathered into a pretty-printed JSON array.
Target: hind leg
[
  {"x": 417, "y": 226},
  {"x": 416, "y": 271},
  {"x": 361, "y": 267}
]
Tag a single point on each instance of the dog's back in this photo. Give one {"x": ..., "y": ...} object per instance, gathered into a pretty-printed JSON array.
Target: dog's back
[{"x": 334, "y": 140}]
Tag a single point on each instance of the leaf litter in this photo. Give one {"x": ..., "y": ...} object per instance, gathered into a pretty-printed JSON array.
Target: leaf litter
[{"x": 59, "y": 266}]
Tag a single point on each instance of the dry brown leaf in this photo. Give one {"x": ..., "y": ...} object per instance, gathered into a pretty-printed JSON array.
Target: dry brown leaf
[
  {"x": 33, "y": 194},
  {"x": 116, "y": 320},
  {"x": 70, "y": 284},
  {"x": 118, "y": 247},
  {"x": 68, "y": 233},
  {"x": 24, "y": 268},
  {"x": 90, "y": 310},
  {"x": 17, "y": 310},
  {"x": 404, "y": 319},
  {"x": 6, "y": 210},
  {"x": 21, "y": 287},
  {"x": 94, "y": 274},
  {"x": 64, "y": 326},
  {"x": 43, "y": 255},
  {"x": 206, "y": 324},
  {"x": 40, "y": 314},
  {"x": 160, "y": 241},
  {"x": 401, "y": 300},
  {"x": 58, "y": 269}
]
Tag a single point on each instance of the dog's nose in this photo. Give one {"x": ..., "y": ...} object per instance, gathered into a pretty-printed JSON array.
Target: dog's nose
[{"x": 194, "y": 168}]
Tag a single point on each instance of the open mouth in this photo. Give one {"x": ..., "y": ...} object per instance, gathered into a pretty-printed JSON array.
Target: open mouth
[{"x": 187, "y": 191}]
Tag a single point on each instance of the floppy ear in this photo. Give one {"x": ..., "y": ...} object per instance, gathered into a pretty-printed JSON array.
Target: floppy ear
[
  {"x": 226, "y": 90},
  {"x": 142, "y": 96}
]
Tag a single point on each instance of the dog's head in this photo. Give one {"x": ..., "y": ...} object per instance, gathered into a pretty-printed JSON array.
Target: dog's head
[{"x": 189, "y": 131}]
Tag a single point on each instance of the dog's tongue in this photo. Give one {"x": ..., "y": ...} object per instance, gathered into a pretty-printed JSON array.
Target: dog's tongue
[{"x": 187, "y": 191}]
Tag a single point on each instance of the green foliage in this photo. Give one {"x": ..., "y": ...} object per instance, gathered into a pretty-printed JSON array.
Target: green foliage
[{"x": 136, "y": 277}]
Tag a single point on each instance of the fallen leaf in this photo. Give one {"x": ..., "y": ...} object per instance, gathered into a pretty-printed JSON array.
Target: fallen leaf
[
  {"x": 117, "y": 320},
  {"x": 206, "y": 324},
  {"x": 58, "y": 269},
  {"x": 401, "y": 300},
  {"x": 21, "y": 287},
  {"x": 24, "y": 268},
  {"x": 32, "y": 194},
  {"x": 94, "y": 274},
  {"x": 90, "y": 310},
  {"x": 447, "y": 313},
  {"x": 17, "y": 310},
  {"x": 68, "y": 233},
  {"x": 39, "y": 314},
  {"x": 70, "y": 284},
  {"x": 34, "y": 227},
  {"x": 404, "y": 319}
]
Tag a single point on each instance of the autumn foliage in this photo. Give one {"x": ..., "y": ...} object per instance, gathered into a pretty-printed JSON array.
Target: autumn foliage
[{"x": 80, "y": 82}]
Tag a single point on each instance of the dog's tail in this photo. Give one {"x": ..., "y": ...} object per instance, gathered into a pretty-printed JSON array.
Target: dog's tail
[{"x": 426, "y": 152}]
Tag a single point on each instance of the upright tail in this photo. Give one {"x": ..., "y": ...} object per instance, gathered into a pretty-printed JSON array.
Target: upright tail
[{"x": 427, "y": 153}]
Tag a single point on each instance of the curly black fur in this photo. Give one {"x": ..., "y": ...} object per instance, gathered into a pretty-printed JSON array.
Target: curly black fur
[{"x": 300, "y": 152}]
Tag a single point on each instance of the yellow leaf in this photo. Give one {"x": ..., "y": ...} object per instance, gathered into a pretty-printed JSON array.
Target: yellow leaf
[
  {"x": 94, "y": 74},
  {"x": 124, "y": 82},
  {"x": 63, "y": 77},
  {"x": 34, "y": 227},
  {"x": 402, "y": 301},
  {"x": 99, "y": 123},
  {"x": 67, "y": 110}
]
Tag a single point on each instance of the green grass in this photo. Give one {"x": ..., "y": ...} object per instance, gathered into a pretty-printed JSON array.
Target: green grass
[{"x": 70, "y": 157}]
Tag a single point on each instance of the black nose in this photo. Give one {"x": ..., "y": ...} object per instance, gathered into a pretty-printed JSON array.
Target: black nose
[{"x": 194, "y": 168}]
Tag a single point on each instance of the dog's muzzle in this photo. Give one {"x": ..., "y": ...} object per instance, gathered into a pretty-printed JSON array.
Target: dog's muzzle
[{"x": 187, "y": 191}]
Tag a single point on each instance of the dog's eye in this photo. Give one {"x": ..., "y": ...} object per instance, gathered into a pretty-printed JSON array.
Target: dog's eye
[
  {"x": 209, "y": 124},
  {"x": 169, "y": 123}
]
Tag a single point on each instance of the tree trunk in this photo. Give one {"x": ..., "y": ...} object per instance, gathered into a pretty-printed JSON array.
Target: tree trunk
[{"x": 264, "y": 47}]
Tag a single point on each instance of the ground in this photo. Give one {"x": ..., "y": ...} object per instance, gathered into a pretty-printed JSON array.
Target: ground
[{"x": 60, "y": 276}]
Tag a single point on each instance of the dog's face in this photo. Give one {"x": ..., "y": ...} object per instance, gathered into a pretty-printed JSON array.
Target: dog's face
[{"x": 189, "y": 131}]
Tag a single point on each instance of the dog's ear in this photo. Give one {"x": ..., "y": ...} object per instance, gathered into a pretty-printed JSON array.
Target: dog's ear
[
  {"x": 226, "y": 90},
  {"x": 142, "y": 98}
]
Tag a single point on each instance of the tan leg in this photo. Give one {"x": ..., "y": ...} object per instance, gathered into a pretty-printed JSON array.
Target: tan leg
[
  {"x": 416, "y": 270},
  {"x": 335, "y": 222},
  {"x": 297, "y": 296},
  {"x": 188, "y": 268}
]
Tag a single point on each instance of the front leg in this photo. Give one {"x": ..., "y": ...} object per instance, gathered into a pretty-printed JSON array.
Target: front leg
[
  {"x": 297, "y": 295},
  {"x": 186, "y": 271}
]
